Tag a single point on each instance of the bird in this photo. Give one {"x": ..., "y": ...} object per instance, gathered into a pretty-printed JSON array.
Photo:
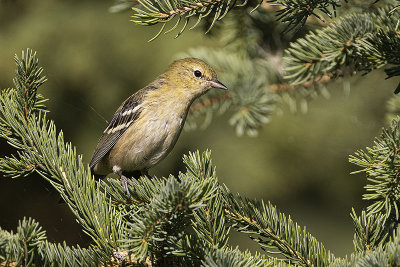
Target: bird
[{"x": 146, "y": 126}]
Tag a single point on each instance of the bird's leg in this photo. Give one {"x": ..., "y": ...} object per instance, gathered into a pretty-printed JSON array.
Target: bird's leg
[{"x": 124, "y": 181}]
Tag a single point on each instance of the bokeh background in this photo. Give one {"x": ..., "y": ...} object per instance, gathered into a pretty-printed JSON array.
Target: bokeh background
[{"x": 95, "y": 59}]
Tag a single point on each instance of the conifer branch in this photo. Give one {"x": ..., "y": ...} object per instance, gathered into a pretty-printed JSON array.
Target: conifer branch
[
  {"x": 346, "y": 46},
  {"x": 370, "y": 230},
  {"x": 29, "y": 246},
  {"x": 46, "y": 152},
  {"x": 381, "y": 163},
  {"x": 296, "y": 12},
  {"x": 209, "y": 221},
  {"x": 179, "y": 220},
  {"x": 151, "y": 13},
  {"x": 387, "y": 254},
  {"x": 273, "y": 230},
  {"x": 152, "y": 226},
  {"x": 167, "y": 210},
  {"x": 233, "y": 258},
  {"x": 28, "y": 79}
]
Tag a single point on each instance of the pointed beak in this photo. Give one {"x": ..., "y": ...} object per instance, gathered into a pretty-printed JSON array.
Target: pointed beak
[{"x": 218, "y": 84}]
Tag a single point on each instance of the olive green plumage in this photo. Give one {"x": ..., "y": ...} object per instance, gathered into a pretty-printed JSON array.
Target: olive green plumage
[{"x": 147, "y": 125}]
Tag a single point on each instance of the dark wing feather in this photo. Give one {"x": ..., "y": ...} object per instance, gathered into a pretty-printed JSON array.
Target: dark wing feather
[{"x": 126, "y": 114}]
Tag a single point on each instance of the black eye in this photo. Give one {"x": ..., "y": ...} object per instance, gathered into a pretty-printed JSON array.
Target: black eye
[{"x": 197, "y": 73}]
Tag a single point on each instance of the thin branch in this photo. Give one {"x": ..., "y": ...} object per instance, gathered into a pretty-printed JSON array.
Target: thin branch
[
  {"x": 287, "y": 87},
  {"x": 208, "y": 101}
]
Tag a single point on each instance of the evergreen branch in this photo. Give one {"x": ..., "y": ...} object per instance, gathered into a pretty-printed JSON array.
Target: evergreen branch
[
  {"x": 296, "y": 12},
  {"x": 370, "y": 231},
  {"x": 210, "y": 225},
  {"x": 46, "y": 152},
  {"x": 28, "y": 79},
  {"x": 193, "y": 201},
  {"x": 19, "y": 248},
  {"x": 328, "y": 51},
  {"x": 381, "y": 163},
  {"x": 234, "y": 257},
  {"x": 29, "y": 246},
  {"x": 348, "y": 45},
  {"x": 17, "y": 166},
  {"x": 275, "y": 230},
  {"x": 208, "y": 221},
  {"x": 148, "y": 231},
  {"x": 387, "y": 254},
  {"x": 199, "y": 167},
  {"x": 154, "y": 12}
]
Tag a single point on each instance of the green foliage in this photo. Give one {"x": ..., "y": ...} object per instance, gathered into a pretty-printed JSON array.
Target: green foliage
[
  {"x": 28, "y": 80},
  {"x": 357, "y": 42},
  {"x": 369, "y": 231},
  {"x": 187, "y": 219},
  {"x": 381, "y": 163},
  {"x": 273, "y": 230},
  {"x": 296, "y": 12},
  {"x": 387, "y": 254},
  {"x": 167, "y": 220},
  {"x": 234, "y": 258},
  {"x": 164, "y": 11},
  {"x": 184, "y": 220},
  {"x": 28, "y": 246}
]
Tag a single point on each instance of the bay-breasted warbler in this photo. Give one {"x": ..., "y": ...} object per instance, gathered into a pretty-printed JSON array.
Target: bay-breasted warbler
[{"x": 146, "y": 126}]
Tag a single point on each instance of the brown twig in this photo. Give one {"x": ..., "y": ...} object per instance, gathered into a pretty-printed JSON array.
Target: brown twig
[
  {"x": 286, "y": 87},
  {"x": 274, "y": 88},
  {"x": 209, "y": 101}
]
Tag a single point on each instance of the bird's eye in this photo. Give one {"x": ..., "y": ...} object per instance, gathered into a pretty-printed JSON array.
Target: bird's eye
[{"x": 197, "y": 73}]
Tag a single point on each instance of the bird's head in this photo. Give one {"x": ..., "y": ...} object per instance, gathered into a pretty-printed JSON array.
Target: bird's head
[{"x": 194, "y": 76}]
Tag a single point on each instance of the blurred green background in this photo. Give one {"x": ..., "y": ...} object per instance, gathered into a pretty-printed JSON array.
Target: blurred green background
[{"x": 95, "y": 59}]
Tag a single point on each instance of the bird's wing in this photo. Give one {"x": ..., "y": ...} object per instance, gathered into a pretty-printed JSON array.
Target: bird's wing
[{"x": 123, "y": 118}]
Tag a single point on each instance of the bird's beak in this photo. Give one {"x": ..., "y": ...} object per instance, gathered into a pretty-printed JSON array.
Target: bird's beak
[{"x": 218, "y": 84}]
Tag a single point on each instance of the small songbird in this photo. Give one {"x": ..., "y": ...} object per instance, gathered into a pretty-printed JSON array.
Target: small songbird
[{"x": 146, "y": 126}]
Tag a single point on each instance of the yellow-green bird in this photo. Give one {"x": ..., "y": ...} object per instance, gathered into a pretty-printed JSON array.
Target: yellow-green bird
[{"x": 146, "y": 126}]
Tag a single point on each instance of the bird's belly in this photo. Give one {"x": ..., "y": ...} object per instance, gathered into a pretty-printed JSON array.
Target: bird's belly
[{"x": 145, "y": 147}]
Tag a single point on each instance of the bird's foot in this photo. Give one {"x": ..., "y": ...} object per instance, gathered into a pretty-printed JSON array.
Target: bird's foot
[{"x": 124, "y": 182}]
